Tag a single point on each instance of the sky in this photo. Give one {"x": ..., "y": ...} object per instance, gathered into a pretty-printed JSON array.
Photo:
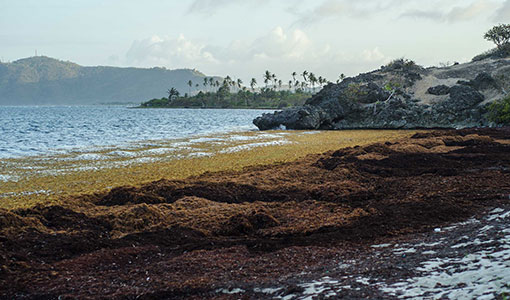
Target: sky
[{"x": 243, "y": 38}]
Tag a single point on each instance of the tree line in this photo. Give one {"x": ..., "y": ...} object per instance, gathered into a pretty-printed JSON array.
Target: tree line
[{"x": 232, "y": 93}]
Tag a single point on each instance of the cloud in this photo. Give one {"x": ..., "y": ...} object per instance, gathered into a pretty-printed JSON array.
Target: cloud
[
  {"x": 453, "y": 14},
  {"x": 210, "y": 7},
  {"x": 503, "y": 13},
  {"x": 329, "y": 9},
  {"x": 444, "y": 10},
  {"x": 374, "y": 55},
  {"x": 174, "y": 53},
  {"x": 280, "y": 50}
]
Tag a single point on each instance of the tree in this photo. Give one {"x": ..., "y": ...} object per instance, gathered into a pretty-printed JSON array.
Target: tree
[
  {"x": 190, "y": 83},
  {"x": 305, "y": 78},
  {"x": 313, "y": 80},
  {"x": 211, "y": 83},
  {"x": 239, "y": 83},
  {"x": 206, "y": 82},
  {"x": 296, "y": 84},
  {"x": 172, "y": 93},
  {"x": 267, "y": 77},
  {"x": 253, "y": 83},
  {"x": 499, "y": 35}
]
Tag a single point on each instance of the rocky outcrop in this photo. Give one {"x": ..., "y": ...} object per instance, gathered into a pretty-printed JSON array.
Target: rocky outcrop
[
  {"x": 402, "y": 95},
  {"x": 439, "y": 90}
]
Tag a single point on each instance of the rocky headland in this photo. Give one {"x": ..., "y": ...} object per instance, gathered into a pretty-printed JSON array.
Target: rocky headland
[{"x": 403, "y": 95}]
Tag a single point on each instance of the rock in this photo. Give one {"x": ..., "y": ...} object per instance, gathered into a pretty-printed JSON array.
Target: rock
[
  {"x": 484, "y": 81},
  {"x": 439, "y": 90},
  {"x": 361, "y": 102},
  {"x": 372, "y": 93},
  {"x": 463, "y": 97}
]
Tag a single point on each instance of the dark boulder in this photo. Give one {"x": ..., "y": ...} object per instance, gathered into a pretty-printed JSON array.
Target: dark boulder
[
  {"x": 463, "y": 96},
  {"x": 484, "y": 81},
  {"x": 439, "y": 90}
]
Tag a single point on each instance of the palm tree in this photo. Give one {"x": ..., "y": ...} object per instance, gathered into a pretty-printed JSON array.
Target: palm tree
[
  {"x": 239, "y": 83},
  {"x": 267, "y": 77},
  {"x": 273, "y": 77},
  {"x": 280, "y": 82},
  {"x": 313, "y": 80},
  {"x": 290, "y": 85},
  {"x": 190, "y": 84},
  {"x": 294, "y": 74},
  {"x": 205, "y": 83},
  {"x": 227, "y": 80},
  {"x": 211, "y": 82},
  {"x": 305, "y": 77},
  {"x": 253, "y": 83},
  {"x": 173, "y": 92},
  {"x": 217, "y": 83}
]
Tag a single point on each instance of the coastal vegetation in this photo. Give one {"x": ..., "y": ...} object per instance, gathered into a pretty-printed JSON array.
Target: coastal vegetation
[
  {"x": 500, "y": 36},
  {"x": 499, "y": 111},
  {"x": 231, "y": 93}
]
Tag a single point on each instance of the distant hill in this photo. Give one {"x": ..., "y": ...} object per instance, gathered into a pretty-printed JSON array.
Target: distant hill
[{"x": 43, "y": 81}]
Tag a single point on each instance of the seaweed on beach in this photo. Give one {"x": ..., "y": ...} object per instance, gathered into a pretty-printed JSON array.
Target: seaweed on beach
[{"x": 263, "y": 224}]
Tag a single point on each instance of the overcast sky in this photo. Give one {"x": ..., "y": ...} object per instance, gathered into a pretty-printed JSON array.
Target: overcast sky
[{"x": 243, "y": 38}]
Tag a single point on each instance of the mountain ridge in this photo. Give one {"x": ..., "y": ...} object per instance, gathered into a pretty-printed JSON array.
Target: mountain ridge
[{"x": 41, "y": 80}]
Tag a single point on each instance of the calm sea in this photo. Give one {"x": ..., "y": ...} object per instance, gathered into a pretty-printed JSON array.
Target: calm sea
[{"x": 39, "y": 130}]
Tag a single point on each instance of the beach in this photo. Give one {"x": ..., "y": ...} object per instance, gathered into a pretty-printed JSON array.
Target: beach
[{"x": 357, "y": 214}]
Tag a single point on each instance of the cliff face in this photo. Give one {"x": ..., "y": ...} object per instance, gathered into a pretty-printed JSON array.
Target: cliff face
[{"x": 402, "y": 95}]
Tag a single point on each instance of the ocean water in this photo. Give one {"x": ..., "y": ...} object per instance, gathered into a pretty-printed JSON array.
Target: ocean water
[{"x": 42, "y": 130}]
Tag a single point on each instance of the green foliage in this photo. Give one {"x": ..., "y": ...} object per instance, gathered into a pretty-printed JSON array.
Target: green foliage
[
  {"x": 224, "y": 98},
  {"x": 401, "y": 64},
  {"x": 354, "y": 91},
  {"x": 392, "y": 86},
  {"x": 499, "y": 111},
  {"x": 498, "y": 52},
  {"x": 156, "y": 103},
  {"x": 499, "y": 35}
]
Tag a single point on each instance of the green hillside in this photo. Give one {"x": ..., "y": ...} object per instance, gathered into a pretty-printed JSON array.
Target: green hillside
[{"x": 43, "y": 80}]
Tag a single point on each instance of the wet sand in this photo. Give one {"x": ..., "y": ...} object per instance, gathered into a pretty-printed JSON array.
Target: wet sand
[{"x": 345, "y": 223}]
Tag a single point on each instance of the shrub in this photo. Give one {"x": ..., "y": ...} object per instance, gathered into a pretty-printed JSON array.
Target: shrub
[
  {"x": 499, "y": 35},
  {"x": 502, "y": 52},
  {"x": 402, "y": 65},
  {"x": 499, "y": 111}
]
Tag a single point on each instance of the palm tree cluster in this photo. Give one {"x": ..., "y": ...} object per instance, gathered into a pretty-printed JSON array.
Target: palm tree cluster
[{"x": 308, "y": 84}]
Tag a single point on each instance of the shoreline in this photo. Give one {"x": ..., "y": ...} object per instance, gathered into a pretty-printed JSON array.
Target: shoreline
[
  {"x": 293, "y": 228},
  {"x": 55, "y": 178}
]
